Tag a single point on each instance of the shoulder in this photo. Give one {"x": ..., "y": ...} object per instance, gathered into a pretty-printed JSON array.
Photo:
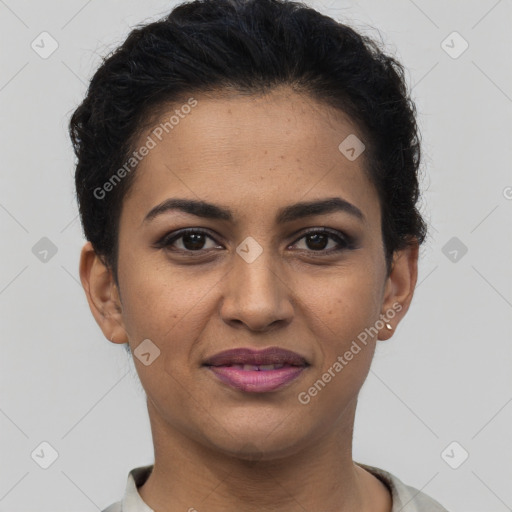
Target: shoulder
[{"x": 405, "y": 498}]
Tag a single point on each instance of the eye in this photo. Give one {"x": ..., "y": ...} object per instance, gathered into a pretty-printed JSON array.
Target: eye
[
  {"x": 317, "y": 241},
  {"x": 189, "y": 240},
  {"x": 194, "y": 240}
]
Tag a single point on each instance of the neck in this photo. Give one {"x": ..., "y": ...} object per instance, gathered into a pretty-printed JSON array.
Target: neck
[{"x": 187, "y": 475}]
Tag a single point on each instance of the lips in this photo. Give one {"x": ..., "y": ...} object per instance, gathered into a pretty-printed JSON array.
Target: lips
[
  {"x": 263, "y": 359},
  {"x": 256, "y": 371}
]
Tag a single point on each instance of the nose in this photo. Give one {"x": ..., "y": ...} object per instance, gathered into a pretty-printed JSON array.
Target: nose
[{"x": 257, "y": 295}]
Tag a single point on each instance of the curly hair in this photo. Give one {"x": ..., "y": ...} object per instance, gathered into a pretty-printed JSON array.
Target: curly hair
[{"x": 249, "y": 46}]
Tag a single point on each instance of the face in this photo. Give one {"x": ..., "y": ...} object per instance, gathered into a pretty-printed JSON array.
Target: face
[{"x": 257, "y": 271}]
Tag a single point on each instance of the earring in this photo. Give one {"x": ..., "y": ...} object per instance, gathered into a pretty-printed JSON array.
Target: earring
[{"x": 388, "y": 326}]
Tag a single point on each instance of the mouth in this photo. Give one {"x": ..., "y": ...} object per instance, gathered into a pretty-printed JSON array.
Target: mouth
[{"x": 256, "y": 371}]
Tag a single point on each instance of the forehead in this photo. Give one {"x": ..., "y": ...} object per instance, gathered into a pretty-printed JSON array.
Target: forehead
[{"x": 254, "y": 153}]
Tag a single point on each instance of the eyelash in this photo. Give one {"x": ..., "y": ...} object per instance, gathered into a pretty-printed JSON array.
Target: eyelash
[{"x": 346, "y": 241}]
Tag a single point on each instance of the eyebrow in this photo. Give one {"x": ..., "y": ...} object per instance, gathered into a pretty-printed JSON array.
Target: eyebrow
[{"x": 284, "y": 215}]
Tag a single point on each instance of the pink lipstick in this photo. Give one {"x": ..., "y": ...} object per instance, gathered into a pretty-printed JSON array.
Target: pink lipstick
[{"x": 257, "y": 371}]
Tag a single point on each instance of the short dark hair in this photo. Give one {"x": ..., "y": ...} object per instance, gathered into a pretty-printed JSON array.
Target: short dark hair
[{"x": 249, "y": 46}]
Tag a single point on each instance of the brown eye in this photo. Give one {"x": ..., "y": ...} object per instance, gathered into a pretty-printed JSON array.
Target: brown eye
[
  {"x": 189, "y": 240},
  {"x": 193, "y": 241},
  {"x": 318, "y": 241}
]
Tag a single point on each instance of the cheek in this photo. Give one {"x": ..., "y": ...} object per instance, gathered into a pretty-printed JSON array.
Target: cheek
[
  {"x": 340, "y": 315},
  {"x": 171, "y": 310},
  {"x": 154, "y": 299},
  {"x": 344, "y": 302},
  {"x": 163, "y": 313}
]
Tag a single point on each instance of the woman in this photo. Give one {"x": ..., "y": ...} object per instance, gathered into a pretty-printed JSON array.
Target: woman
[{"x": 247, "y": 180}]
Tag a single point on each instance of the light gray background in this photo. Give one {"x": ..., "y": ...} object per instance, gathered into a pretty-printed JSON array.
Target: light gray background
[{"x": 444, "y": 376}]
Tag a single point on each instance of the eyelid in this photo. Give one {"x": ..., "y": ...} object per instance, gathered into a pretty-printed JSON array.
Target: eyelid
[
  {"x": 333, "y": 233},
  {"x": 344, "y": 240},
  {"x": 172, "y": 236}
]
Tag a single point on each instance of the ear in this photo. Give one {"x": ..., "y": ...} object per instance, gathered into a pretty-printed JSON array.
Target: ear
[
  {"x": 102, "y": 295},
  {"x": 399, "y": 288}
]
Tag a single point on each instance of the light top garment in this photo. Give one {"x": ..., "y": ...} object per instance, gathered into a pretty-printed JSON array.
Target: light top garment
[{"x": 405, "y": 498}]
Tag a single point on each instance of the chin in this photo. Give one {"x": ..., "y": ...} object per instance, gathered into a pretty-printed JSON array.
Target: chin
[{"x": 255, "y": 437}]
